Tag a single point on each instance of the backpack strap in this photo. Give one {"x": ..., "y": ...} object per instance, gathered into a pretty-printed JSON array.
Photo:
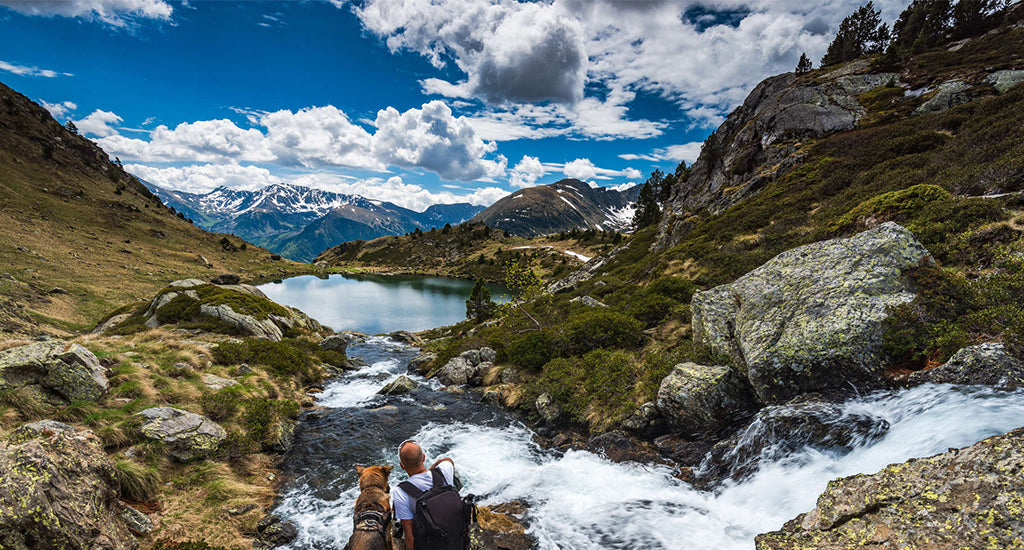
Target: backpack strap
[
  {"x": 438, "y": 478},
  {"x": 414, "y": 492}
]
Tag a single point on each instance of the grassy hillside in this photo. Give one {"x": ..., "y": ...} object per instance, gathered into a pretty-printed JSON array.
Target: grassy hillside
[
  {"x": 469, "y": 251},
  {"x": 953, "y": 178},
  {"x": 81, "y": 237}
]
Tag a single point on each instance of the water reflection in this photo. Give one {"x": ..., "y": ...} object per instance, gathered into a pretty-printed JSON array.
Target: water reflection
[{"x": 377, "y": 303}]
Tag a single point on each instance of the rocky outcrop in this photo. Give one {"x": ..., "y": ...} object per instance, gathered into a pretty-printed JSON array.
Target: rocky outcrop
[
  {"x": 1002, "y": 81},
  {"x": 501, "y": 527},
  {"x": 616, "y": 446},
  {"x": 335, "y": 342},
  {"x": 812, "y": 317},
  {"x": 700, "y": 400},
  {"x": 273, "y": 531},
  {"x": 946, "y": 96},
  {"x": 247, "y": 324},
  {"x": 421, "y": 363},
  {"x": 399, "y": 386},
  {"x": 759, "y": 140},
  {"x": 56, "y": 371},
  {"x": 588, "y": 301},
  {"x": 466, "y": 366},
  {"x": 188, "y": 435},
  {"x": 406, "y": 337},
  {"x": 966, "y": 498},
  {"x": 59, "y": 491},
  {"x": 986, "y": 364}
]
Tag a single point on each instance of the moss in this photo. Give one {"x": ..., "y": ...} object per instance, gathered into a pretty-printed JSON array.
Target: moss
[
  {"x": 291, "y": 356},
  {"x": 601, "y": 329}
]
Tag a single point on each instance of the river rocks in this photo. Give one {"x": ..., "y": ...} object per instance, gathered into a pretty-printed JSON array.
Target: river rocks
[
  {"x": 59, "y": 491},
  {"x": 966, "y": 498},
  {"x": 501, "y": 527},
  {"x": 780, "y": 430},
  {"x": 421, "y": 363},
  {"x": 497, "y": 395},
  {"x": 812, "y": 317},
  {"x": 335, "y": 342},
  {"x": 226, "y": 279},
  {"x": 460, "y": 370},
  {"x": 58, "y": 371},
  {"x": 273, "y": 531},
  {"x": 399, "y": 386},
  {"x": 700, "y": 400},
  {"x": 987, "y": 364},
  {"x": 547, "y": 408},
  {"x": 188, "y": 435},
  {"x": 1002, "y": 81},
  {"x": 406, "y": 337},
  {"x": 647, "y": 421},
  {"x": 616, "y": 446},
  {"x": 215, "y": 382}
]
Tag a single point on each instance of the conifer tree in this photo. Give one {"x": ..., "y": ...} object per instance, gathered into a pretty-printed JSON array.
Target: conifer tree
[
  {"x": 862, "y": 32},
  {"x": 479, "y": 306},
  {"x": 648, "y": 211},
  {"x": 804, "y": 65}
]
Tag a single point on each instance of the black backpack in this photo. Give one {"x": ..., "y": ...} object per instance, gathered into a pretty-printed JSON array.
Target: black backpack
[{"x": 440, "y": 517}]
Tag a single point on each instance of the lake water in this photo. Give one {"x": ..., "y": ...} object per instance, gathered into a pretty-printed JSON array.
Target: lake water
[{"x": 377, "y": 304}]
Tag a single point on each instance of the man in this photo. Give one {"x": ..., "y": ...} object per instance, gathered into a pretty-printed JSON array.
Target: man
[{"x": 411, "y": 459}]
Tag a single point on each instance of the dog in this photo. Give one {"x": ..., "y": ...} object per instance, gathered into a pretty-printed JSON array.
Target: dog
[{"x": 372, "y": 520}]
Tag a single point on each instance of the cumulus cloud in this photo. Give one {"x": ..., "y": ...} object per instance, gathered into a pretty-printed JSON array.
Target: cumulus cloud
[
  {"x": 433, "y": 139},
  {"x": 98, "y": 123},
  {"x": 407, "y": 195},
  {"x": 203, "y": 178},
  {"x": 430, "y": 138},
  {"x": 59, "y": 110},
  {"x": 26, "y": 70},
  {"x": 687, "y": 152},
  {"x": 584, "y": 169},
  {"x": 510, "y": 51},
  {"x": 526, "y": 172},
  {"x": 118, "y": 13}
]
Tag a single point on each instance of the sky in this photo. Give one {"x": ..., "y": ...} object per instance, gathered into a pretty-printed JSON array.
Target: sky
[{"x": 415, "y": 102}]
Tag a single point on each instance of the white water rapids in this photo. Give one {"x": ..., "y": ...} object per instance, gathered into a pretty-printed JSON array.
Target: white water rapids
[{"x": 579, "y": 500}]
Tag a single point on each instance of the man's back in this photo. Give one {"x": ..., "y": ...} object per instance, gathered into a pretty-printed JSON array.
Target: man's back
[{"x": 405, "y": 506}]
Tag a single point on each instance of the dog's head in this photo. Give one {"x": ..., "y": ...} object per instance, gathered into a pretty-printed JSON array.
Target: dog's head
[{"x": 373, "y": 476}]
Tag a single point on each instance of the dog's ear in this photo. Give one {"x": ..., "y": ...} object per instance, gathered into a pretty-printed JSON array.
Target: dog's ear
[
  {"x": 359, "y": 469},
  {"x": 387, "y": 470}
]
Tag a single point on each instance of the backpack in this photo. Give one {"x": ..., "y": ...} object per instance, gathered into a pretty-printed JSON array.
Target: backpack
[{"x": 440, "y": 516}]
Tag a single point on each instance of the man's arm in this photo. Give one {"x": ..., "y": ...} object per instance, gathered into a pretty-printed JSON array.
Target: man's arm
[
  {"x": 440, "y": 460},
  {"x": 407, "y": 527}
]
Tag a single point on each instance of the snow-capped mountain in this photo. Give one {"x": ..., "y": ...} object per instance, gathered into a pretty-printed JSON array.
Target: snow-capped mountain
[
  {"x": 562, "y": 206},
  {"x": 300, "y": 222}
]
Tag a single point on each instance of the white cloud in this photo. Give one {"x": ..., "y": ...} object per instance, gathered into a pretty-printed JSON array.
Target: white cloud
[
  {"x": 203, "y": 178},
  {"x": 526, "y": 172},
  {"x": 118, "y": 13},
  {"x": 687, "y": 152},
  {"x": 59, "y": 110},
  {"x": 510, "y": 51},
  {"x": 431, "y": 138},
  {"x": 98, "y": 123},
  {"x": 584, "y": 169},
  {"x": 26, "y": 70},
  {"x": 407, "y": 195}
]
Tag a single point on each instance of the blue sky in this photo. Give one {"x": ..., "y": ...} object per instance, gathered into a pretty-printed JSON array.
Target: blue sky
[{"x": 411, "y": 101}]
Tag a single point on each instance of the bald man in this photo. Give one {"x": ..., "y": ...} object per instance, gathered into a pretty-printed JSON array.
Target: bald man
[{"x": 411, "y": 458}]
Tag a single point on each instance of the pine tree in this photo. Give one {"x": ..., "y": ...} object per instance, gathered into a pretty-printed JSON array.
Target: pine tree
[
  {"x": 71, "y": 127},
  {"x": 862, "y": 32},
  {"x": 924, "y": 24},
  {"x": 479, "y": 306},
  {"x": 804, "y": 65},
  {"x": 648, "y": 211}
]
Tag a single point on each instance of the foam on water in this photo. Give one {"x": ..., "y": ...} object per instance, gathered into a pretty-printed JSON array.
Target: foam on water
[{"x": 579, "y": 500}]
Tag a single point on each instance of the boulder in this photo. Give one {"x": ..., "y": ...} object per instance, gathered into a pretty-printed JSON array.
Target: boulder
[
  {"x": 188, "y": 435},
  {"x": 457, "y": 371},
  {"x": 226, "y": 279},
  {"x": 59, "y": 491},
  {"x": 280, "y": 436},
  {"x": 812, "y": 317},
  {"x": 399, "y": 386},
  {"x": 501, "y": 526},
  {"x": 497, "y": 395},
  {"x": 406, "y": 337},
  {"x": 647, "y": 421},
  {"x": 273, "y": 531},
  {"x": 616, "y": 446},
  {"x": 487, "y": 355},
  {"x": 136, "y": 521},
  {"x": 186, "y": 283},
  {"x": 1002, "y": 81},
  {"x": 966, "y": 498},
  {"x": 38, "y": 428},
  {"x": 216, "y": 382},
  {"x": 59, "y": 371},
  {"x": 247, "y": 324},
  {"x": 335, "y": 342},
  {"x": 779, "y": 430},
  {"x": 948, "y": 95},
  {"x": 701, "y": 400},
  {"x": 983, "y": 364},
  {"x": 546, "y": 407},
  {"x": 588, "y": 301}
]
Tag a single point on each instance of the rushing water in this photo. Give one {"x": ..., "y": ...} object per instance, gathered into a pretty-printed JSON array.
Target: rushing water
[
  {"x": 377, "y": 303},
  {"x": 579, "y": 500}
]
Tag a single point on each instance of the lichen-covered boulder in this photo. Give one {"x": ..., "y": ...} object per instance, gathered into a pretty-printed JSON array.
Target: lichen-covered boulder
[
  {"x": 812, "y": 317},
  {"x": 948, "y": 95},
  {"x": 647, "y": 421},
  {"x": 188, "y": 435},
  {"x": 501, "y": 526},
  {"x": 335, "y": 342},
  {"x": 61, "y": 372},
  {"x": 1002, "y": 81},
  {"x": 456, "y": 372},
  {"x": 966, "y": 498},
  {"x": 421, "y": 363},
  {"x": 700, "y": 400},
  {"x": 547, "y": 408},
  {"x": 59, "y": 491},
  {"x": 399, "y": 386},
  {"x": 986, "y": 364},
  {"x": 273, "y": 531}
]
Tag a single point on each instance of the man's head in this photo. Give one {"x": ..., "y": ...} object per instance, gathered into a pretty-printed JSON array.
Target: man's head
[{"x": 410, "y": 455}]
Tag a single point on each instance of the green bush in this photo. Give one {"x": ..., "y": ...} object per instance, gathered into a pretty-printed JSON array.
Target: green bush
[
  {"x": 286, "y": 357},
  {"x": 596, "y": 389},
  {"x": 137, "y": 483},
  {"x": 677, "y": 288},
  {"x": 222, "y": 404},
  {"x": 531, "y": 350},
  {"x": 895, "y": 205},
  {"x": 650, "y": 309},
  {"x": 602, "y": 329}
]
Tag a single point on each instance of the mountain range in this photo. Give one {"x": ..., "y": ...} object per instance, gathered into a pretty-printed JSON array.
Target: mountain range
[{"x": 300, "y": 222}]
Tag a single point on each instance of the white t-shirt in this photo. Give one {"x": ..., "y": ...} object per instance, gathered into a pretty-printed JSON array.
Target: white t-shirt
[{"x": 404, "y": 504}]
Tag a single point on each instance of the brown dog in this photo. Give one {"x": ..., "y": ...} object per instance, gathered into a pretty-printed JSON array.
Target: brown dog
[{"x": 372, "y": 530}]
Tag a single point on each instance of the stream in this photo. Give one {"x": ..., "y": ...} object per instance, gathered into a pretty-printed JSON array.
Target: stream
[{"x": 579, "y": 500}]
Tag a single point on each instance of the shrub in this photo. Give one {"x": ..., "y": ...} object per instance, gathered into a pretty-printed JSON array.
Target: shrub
[
  {"x": 602, "y": 329},
  {"x": 595, "y": 389},
  {"x": 222, "y": 404},
  {"x": 677, "y": 288},
  {"x": 895, "y": 205},
  {"x": 531, "y": 350},
  {"x": 137, "y": 483},
  {"x": 650, "y": 309},
  {"x": 288, "y": 357}
]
